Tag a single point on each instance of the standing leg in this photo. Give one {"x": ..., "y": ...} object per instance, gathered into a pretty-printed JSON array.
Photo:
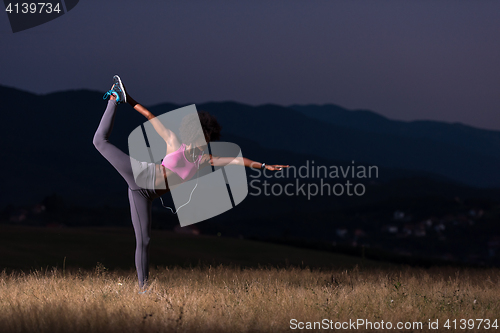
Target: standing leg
[{"x": 140, "y": 210}]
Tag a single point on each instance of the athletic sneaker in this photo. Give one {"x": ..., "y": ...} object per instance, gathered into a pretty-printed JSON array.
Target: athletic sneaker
[
  {"x": 118, "y": 90},
  {"x": 144, "y": 290}
]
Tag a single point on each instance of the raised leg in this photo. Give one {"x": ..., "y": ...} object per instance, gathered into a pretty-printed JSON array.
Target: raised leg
[{"x": 118, "y": 159}]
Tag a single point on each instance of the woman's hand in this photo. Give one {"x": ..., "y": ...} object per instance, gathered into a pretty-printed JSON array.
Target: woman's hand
[{"x": 276, "y": 167}]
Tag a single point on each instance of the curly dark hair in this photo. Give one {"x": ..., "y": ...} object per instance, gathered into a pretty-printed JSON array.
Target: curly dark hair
[{"x": 190, "y": 130}]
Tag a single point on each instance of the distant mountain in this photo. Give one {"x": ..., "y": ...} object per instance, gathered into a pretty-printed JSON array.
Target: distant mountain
[
  {"x": 47, "y": 145},
  {"x": 481, "y": 141},
  {"x": 457, "y": 152}
]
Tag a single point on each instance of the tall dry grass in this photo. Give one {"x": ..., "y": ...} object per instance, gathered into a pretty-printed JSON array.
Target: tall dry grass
[{"x": 229, "y": 299}]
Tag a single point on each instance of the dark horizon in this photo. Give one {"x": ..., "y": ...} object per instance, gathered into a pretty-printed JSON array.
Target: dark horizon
[{"x": 263, "y": 104}]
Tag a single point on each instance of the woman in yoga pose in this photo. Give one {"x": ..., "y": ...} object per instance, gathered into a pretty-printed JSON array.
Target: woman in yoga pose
[{"x": 184, "y": 156}]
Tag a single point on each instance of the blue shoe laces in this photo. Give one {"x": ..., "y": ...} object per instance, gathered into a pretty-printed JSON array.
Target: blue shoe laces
[{"x": 109, "y": 93}]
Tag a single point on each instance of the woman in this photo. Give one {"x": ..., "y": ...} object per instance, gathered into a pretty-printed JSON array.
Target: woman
[{"x": 184, "y": 156}]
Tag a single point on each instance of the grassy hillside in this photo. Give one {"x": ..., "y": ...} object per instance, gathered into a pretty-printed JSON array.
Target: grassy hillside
[{"x": 34, "y": 248}]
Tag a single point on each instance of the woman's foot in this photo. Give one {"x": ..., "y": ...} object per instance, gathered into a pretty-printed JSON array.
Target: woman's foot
[
  {"x": 144, "y": 289},
  {"x": 117, "y": 90}
]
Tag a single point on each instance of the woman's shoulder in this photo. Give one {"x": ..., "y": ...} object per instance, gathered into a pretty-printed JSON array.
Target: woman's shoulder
[{"x": 174, "y": 145}]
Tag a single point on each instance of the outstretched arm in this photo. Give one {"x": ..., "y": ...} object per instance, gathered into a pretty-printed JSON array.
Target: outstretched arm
[
  {"x": 164, "y": 132},
  {"x": 221, "y": 161}
]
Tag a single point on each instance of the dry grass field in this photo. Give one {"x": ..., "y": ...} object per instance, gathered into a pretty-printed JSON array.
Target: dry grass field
[
  {"x": 232, "y": 299},
  {"x": 50, "y": 282}
]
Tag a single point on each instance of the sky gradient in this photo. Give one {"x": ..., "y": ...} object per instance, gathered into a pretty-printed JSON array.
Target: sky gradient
[{"x": 406, "y": 60}]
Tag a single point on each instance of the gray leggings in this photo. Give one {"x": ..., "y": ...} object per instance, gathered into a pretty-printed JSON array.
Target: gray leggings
[{"x": 140, "y": 199}]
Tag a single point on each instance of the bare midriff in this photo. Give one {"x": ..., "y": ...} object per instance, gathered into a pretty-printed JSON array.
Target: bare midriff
[{"x": 163, "y": 175}]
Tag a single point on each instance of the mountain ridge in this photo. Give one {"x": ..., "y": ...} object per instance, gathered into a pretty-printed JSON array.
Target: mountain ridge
[{"x": 54, "y": 133}]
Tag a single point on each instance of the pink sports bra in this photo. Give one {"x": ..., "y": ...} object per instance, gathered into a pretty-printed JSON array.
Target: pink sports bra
[{"x": 178, "y": 163}]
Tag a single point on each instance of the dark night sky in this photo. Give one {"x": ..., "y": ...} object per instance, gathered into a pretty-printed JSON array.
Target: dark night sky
[{"x": 403, "y": 59}]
